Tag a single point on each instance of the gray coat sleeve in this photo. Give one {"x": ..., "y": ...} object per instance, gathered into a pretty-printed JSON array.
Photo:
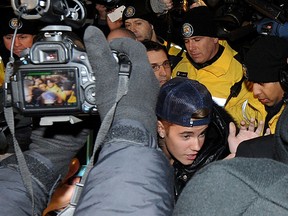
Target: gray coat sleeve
[
  {"x": 14, "y": 199},
  {"x": 129, "y": 178}
]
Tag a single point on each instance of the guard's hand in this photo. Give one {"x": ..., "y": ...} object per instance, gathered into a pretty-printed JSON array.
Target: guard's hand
[{"x": 245, "y": 133}]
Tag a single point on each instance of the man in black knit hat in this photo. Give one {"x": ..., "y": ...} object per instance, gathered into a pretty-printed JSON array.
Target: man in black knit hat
[
  {"x": 27, "y": 29},
  {"x": 24, "y": 39},
  {"x": 212, "y": 62},
  {"x": 139, "y": 17},
  {"x": 265, "y": 66}
]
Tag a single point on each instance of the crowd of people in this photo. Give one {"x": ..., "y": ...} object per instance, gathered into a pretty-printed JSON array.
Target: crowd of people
[{"x": 193, "y": 128}]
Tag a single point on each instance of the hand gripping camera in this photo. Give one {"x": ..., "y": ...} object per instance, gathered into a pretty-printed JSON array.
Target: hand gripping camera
[{"x": 55, "y": 77}]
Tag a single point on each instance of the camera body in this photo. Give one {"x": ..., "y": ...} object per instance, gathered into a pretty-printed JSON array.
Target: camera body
[{"x": 55, "y": 78}]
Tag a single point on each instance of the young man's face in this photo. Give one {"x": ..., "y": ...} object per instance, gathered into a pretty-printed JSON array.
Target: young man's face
[
  {"x": 50, "y": 84},
  {"x": 163, "y": 74},
  {"x": 22, "y": 41},
  {"x": 183, "y": 143},
  {"x": 141, "y": 28},
  {"x": 201, "y": 49},
  {"x": 268, "y": 94}
]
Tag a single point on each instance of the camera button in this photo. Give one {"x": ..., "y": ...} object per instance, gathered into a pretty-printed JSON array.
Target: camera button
[
  {"x": 84, "y": 80},
  {"x": 83, "y": 72}
]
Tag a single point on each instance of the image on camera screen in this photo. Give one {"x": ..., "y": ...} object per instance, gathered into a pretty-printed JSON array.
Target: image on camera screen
[{"x": 50, "y": 89}]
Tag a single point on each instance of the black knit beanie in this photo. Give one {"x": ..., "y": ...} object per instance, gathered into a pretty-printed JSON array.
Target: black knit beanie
[
  {"x": 138, "y": 9},
  {"x": 265, "y": 59},
  {"x": 9, "y": 21},
  {"x": 199, "y": 22}
]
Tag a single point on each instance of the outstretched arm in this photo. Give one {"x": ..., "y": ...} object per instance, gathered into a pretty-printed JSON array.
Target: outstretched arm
[
  {"x": 131, "y": 176},
  {"x": 245, "y": 133}
]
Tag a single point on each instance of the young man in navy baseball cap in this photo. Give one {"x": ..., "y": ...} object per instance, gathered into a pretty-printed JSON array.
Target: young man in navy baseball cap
[{"x": 193, "y": 130}]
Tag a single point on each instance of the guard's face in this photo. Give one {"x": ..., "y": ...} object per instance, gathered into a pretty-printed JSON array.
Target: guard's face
[
  {"x": 201, "y": 49},
  {"x": 183, "y": 143},
  {"x": 141, "y": 28},
  {"x": 22, "y": 41},
  {"x": 268, "y": 94}
]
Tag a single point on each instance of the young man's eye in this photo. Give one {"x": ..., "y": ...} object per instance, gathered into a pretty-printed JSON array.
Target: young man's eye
[
  {"x": 202, "y": 135},
  {"x": 186, "y": 137}
]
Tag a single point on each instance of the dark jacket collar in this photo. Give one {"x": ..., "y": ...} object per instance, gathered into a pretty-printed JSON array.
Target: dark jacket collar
[{"x": 211, "y": 61}]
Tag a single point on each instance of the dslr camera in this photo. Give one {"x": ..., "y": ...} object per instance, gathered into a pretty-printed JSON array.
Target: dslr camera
[{"x": 55, "y": 77}]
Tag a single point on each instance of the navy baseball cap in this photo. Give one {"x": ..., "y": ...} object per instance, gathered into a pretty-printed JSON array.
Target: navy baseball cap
[{"x": 180, "y": 98}]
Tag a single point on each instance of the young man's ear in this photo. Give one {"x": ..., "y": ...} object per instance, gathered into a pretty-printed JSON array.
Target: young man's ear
[
  {"x": 161, "y": 129},
  {"x": 216, "y": 40}
]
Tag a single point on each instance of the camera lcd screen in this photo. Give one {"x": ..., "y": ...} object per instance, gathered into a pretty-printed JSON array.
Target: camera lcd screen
[{"x": 50, "y": 89}]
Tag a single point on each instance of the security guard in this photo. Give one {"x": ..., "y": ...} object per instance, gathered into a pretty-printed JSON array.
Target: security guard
[{"x": 212, "y": 62}]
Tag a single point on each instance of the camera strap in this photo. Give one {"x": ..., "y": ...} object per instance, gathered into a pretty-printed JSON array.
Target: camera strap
[
  {"x": 9, "y": 116},
  {"x": 123, "y": 83}
]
